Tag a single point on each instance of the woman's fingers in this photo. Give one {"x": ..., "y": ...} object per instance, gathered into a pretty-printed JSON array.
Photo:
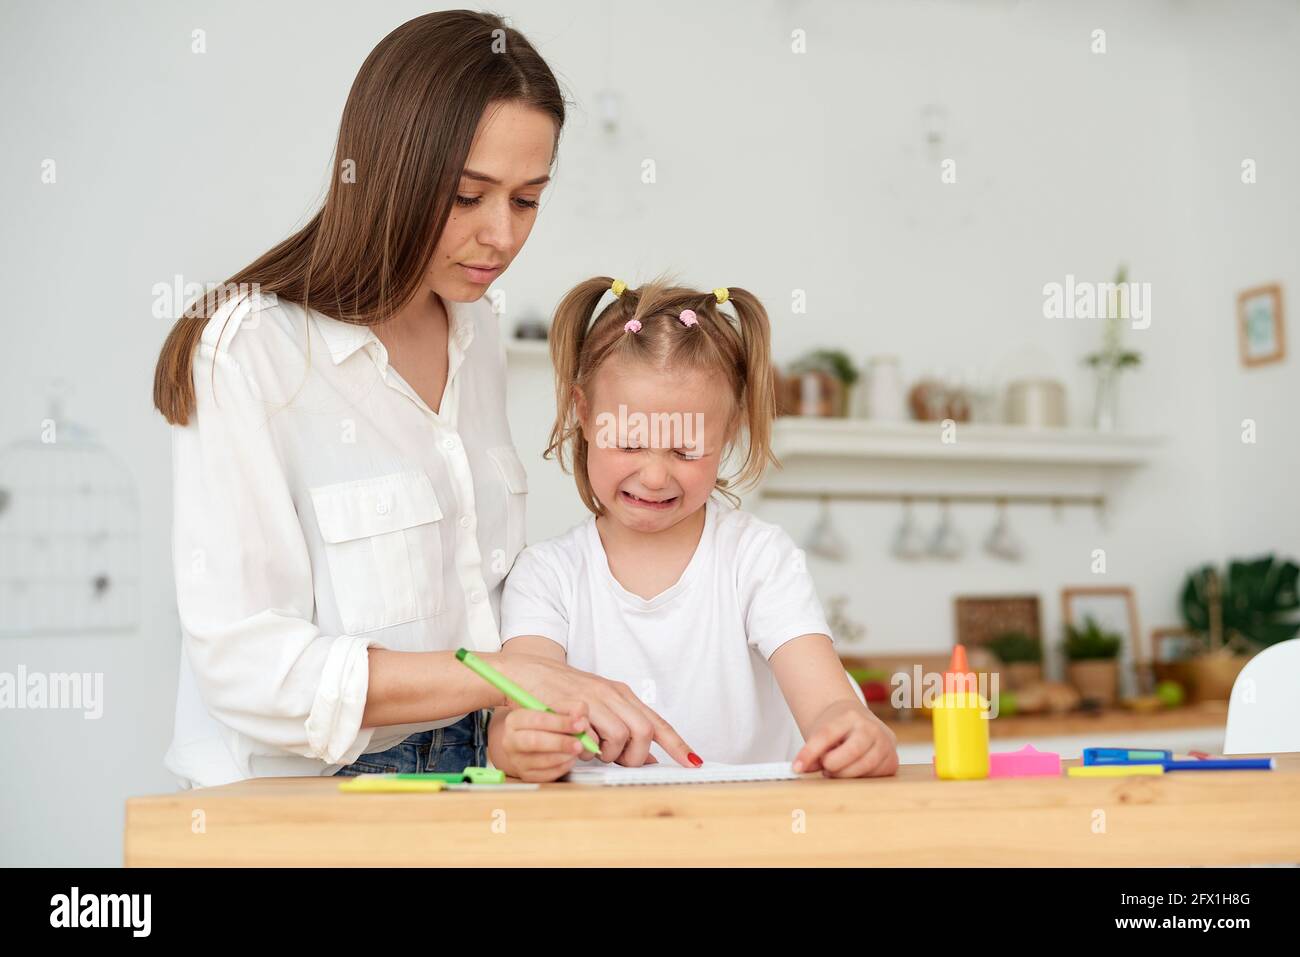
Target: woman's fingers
[
  {"x": 657, "y": 729},
  {"x": 630, "y": 729},
  {"x": 579, "y": 720},
  {"x": 609, "y": 730},
  {"x": 573, "y": 707},
  {"x": 640, "y": 730},
  {"x": 674, "y": 743},
  {"x": 623, "y": 724}
]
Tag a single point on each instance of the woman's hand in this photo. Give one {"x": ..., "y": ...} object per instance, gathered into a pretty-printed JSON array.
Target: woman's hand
[
  {"x": 848, "y": 741},
  {"x": 622, "y": 723},
  {"x": 537, "y": 745}
]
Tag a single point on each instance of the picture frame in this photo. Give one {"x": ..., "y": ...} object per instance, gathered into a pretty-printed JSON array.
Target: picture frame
[
  {"x": 1261, "y": 330},
  {"x": 1115, "y": 609},
  {"x": 1174, "y": 644},
  {"x": 981, "y": 618}
]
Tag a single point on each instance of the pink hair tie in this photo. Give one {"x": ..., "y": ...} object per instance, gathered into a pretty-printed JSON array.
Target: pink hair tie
[
  {"x": 688, "y": 317},
  {"x": 632, "y": 325}
]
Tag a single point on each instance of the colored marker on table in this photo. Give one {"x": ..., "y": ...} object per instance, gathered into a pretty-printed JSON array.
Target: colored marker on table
[
  {"x": 1138, "y": 757},
  {"x": 470, "y": 775},
  {"x": 1124, "y": 755},
  {"x": 471, "y": 779},
  {"x": 1113, "y": 770},
  {"x": 387, "y": 784},
  {"x": 512, "y": 691}
]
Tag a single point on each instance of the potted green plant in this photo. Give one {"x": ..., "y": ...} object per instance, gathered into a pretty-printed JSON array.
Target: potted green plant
[
  {"x": 835, "y": 374},
  {"x": 1022, "y": 658},
  {"x": 1092, "y": 653},
  {"x": 1235, "y": 615}
]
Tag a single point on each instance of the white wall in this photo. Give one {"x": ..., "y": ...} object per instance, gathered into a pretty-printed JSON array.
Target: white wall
[
  {"x": 1068, "y": 162},
  {"x": 775, "y": 171}
]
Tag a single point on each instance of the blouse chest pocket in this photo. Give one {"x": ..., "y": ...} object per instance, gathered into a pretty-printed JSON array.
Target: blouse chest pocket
[
  {"x": 515, "y": 479},
  {"x": 384, "y": 545}
]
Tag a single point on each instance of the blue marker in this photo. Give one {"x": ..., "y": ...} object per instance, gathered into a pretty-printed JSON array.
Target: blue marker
[{"x": 1125, "y": 756}]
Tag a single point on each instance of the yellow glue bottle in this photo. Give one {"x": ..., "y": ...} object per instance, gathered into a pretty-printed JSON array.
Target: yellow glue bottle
[{"x": 961, "y": 725}]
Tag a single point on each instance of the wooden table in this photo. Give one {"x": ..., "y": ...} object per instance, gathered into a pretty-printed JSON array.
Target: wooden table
[{"x": 1207, "y": 817}]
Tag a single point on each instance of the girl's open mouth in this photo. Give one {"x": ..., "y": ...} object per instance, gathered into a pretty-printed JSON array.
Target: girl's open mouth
[{"x": 646, "y": 503}]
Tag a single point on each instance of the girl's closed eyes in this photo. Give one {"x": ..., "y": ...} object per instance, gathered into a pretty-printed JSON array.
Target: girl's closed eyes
[{"x": 687, "y": 456}]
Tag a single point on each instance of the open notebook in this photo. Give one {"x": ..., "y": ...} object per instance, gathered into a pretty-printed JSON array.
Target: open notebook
[{"x": 710, "y": 773}]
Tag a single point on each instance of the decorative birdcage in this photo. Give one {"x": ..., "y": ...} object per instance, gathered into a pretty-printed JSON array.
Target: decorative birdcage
[{"x": 69, "y": 535}]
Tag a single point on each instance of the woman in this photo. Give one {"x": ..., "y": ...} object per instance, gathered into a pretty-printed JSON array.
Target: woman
[{"x": 347, "y": 495}]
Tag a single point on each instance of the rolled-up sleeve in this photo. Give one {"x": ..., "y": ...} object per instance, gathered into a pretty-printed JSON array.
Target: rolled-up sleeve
[{"x": 244, "y": 581}]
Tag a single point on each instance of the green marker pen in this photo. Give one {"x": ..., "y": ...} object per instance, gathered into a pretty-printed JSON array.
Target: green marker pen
[{"x": 512, "y": 691}]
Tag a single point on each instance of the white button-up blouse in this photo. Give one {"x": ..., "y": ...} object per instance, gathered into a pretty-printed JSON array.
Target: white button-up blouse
[{"x": 322, "y": 508}]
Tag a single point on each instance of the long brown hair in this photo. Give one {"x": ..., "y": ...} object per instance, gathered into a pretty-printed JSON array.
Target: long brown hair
[
  {"x": 738, "y": 350},
  {"x": 403, "y": 141}
]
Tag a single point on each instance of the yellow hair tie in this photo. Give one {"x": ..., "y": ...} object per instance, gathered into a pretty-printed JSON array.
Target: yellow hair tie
[
  {"x": 618, "y": 286},
  {"x": 723, "y": 294}
]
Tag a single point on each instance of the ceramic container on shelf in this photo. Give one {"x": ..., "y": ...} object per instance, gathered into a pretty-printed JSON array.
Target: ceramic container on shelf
[
  {"x": 1036, "y": 403},
  {"x": 820, "y": 395},
  {"x": 880, "y": 395}
]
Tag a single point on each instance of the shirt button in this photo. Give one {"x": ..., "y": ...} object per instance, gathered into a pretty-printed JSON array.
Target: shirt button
[
  {"x": 476, "y": 597},
  {"x": 449, "y": 444},
  {"x": 382, "y": 508},
  {"x": 465, "y": 521}
]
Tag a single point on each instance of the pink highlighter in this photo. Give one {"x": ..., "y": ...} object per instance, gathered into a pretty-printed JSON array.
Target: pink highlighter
[{"x": 1028, "y": 762}]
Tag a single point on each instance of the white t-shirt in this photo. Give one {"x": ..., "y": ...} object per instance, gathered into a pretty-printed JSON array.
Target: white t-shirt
[{"x": 697, "y": 652}]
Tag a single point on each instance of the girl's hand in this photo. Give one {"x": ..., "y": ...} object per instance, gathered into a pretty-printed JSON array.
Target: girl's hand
[
  {"x": 537, "y": 745},
  {"x": 622, "y": 723},
  {"x": 848, "y": 741}
]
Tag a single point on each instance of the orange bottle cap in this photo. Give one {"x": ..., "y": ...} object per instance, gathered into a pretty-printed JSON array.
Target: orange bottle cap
[{"x": 958, "y": 666}]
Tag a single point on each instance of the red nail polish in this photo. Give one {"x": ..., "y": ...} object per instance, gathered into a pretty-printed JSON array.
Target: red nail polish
[{"x": 695, "y": 759}]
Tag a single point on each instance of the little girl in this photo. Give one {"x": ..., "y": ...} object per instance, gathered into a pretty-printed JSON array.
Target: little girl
[{"x": 706, "y": 612}]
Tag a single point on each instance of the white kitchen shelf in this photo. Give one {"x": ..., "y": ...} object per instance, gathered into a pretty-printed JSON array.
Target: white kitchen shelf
[
  {"x": 807, "y": 437},
  {"x": 848, "y": 457}
]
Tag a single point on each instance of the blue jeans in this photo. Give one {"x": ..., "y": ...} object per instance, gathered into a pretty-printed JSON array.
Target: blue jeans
[{"x": 453, "y": 748}]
